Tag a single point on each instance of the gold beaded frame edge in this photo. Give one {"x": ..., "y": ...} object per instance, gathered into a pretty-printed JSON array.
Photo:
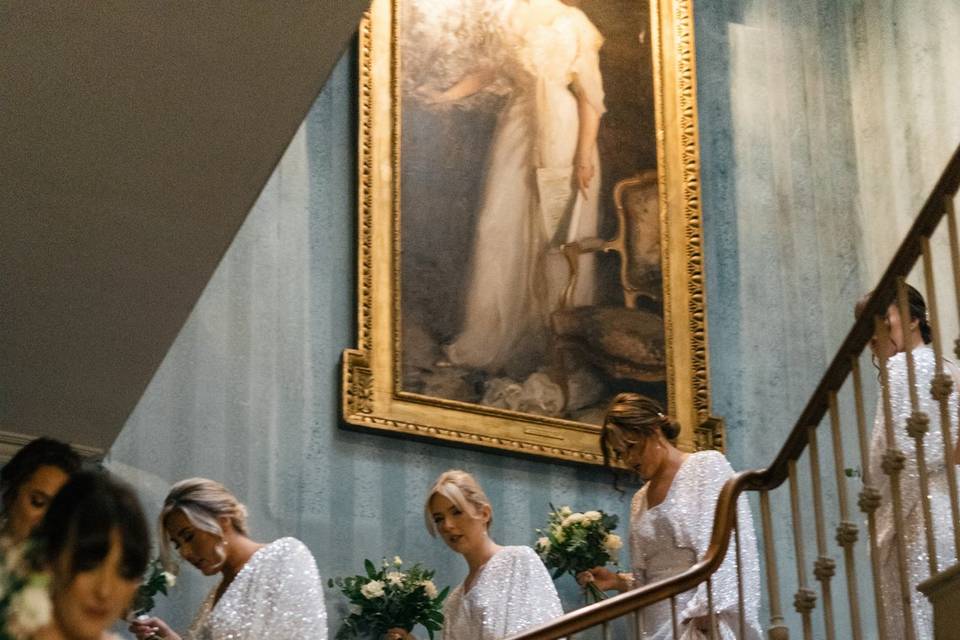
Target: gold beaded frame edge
[{"x": 371, "y": 393}]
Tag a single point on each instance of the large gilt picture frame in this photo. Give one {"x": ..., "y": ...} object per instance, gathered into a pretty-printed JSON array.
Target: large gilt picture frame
[{"x": 529, "y": 235}]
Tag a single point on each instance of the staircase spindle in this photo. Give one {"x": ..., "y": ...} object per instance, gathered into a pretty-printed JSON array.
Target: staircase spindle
[
  {"x": 712, "y": 616},
  {"x": 940, "y": 389},
  {"x": 824, "y": 568},
  {"x": 847, "y": 531},
  {"x": 893, "y": 463},
  {"x": 917, "y": 426},
  {"x": 673, "y": 618},
  {"x": 951, "y": 210},
  {"x": 777, "y": 631},
  {"x": 741, "y": 615},
  {"x": 869, "y": 498},
  {"x": 805, "y": 599}
]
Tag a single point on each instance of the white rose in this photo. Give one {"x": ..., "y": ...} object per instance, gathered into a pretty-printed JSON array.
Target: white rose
[
  {"x": 565, "y": 511},
  {"x": 30, "y": 609},
  {"x": 429, "y": 588},
  {"x": 573, "y": 518},
  {"x": 558, "y": 534},
  {"x": 355, "y": 609},
  {"x": 544, "y": 543},
  {"x": 612, "y": 542},
  {"x": 170, "y": 579},
  {"x": 395, "y": 578},
  {"x": 592, "y": 516},
  {"x": 373, "y": 589},
  {"x": 397, "y": 561}
]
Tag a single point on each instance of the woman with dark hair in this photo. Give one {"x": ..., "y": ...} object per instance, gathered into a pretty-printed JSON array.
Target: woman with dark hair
[
  {"x": 671, "y": 521},
  {"x": 29, "y": 481},
  {"x": 95, "y": 544},
  {"x": 915, "y": 336}
]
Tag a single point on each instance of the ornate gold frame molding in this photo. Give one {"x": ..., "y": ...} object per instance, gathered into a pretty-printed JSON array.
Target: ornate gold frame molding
[{"x": 372, "y": 397}]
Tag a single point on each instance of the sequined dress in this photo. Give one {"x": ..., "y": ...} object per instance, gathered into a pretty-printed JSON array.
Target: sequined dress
[
  {"x": 670, "y": 537},
  {"x": 512, "y": 593},
  {"x": 915, "y": 533},
  {"x": 277, "y": 595}
]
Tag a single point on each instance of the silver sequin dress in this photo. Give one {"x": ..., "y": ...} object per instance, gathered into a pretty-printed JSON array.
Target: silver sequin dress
[
  {"x": 915, "y": 533},
  {"x": 670, "y": 537},
  {"x": 512, "y": 593},
  {"x": 277, "y": 595}
]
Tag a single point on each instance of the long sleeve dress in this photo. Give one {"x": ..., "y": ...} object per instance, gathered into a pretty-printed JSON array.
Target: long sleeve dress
[
  {"x": 277, "y": 594},
  {"x": 669, "y": 538},
  {"x": 914, "y": 534},
  {"x": 548, "y": 56},
  {"x": 513, "y": 593}
]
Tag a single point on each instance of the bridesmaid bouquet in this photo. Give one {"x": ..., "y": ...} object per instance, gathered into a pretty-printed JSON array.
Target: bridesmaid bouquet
[
  {"x": 574, "y": 542},
  {"x": 25, "y": 605},
  {"x": 389, "y": 597},
  {"x": 156, "y": 581}
]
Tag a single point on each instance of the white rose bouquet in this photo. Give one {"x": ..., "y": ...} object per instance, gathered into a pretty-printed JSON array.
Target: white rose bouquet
[
  {"x": 573, "y": 542},
  {"x": 25, "y": 605},
  {"x": 390, "y": 597}
]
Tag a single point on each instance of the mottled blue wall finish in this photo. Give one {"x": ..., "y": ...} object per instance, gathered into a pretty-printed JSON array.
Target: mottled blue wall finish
[
  {"x": 249, "y": 394},
  {"x": 791, "y": 119}
]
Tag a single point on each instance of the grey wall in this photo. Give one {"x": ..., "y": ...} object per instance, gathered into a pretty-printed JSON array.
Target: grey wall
[{"x": 249, "y": 392}]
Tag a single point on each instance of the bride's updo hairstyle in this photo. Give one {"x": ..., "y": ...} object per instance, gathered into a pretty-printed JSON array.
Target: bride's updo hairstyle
[
  {"x": 460, "y": 488},
  {"x": 634, "y": 418},
  {"x": 203, "y": 502},
  {"x": 917, "y": 309}
]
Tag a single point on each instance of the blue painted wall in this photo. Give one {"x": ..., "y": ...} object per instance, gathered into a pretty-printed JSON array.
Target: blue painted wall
[{"x": 791, "y": 115}]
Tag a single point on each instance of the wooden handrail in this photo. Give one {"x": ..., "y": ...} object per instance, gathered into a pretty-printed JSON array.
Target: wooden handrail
[{"x": 773, "y": 476}]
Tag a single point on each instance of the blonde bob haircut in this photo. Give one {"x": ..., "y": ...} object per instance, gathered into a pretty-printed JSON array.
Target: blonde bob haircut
[
  {"x": 460, "y": 488},
  {"x": 203, "y": 502}
]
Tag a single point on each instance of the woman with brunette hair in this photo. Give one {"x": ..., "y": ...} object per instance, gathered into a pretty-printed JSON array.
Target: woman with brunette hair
[
  {"x": 28, "y": 483},
  {"x": 266, "y": 590},
  {"x": 671, "y": 521},
  {"x": 507, "y": 589},
  {"x": 891, "y": 345},
  {"x": 95, "y": 543}
]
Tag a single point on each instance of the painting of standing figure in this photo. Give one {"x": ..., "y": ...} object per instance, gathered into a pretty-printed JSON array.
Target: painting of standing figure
[
  {"x": 521, "y": 91},
  {"x": 534, "y": 204}
]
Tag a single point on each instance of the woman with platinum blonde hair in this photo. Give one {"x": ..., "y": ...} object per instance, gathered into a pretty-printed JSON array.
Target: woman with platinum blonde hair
[
  {"x": 507, "y": 589},
  {"x": 266, "y": 590}
]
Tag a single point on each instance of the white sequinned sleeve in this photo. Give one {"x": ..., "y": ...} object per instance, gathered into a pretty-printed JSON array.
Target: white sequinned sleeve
[
  {"x": 711, "y": 474},
  {"x": 519, "y": 596},
  {"x": 298, "y": 611}
]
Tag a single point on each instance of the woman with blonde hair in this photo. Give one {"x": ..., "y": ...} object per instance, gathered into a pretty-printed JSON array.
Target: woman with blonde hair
[
  {"x": 507, "y": 589},
  {"x": 266, "y": 590},
  {"x": 671, "y": 522}
]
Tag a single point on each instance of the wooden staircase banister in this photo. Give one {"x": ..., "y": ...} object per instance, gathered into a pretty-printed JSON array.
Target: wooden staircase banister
[{"x": 773, "y": 476}]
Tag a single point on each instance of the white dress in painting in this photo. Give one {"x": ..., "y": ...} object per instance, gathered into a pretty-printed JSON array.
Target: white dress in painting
[
  {"x": 513, "y": 593},
  {"x": 277, "y": 594},
  {"x": 547, "y": 54},
  {"x": 669, "y": 538},
  {"x": 918, "y": 568}
]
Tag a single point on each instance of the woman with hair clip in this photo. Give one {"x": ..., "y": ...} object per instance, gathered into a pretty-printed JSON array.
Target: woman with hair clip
[
  {"x": 28, "y": 483},
  {"x": 266, "y": 590},
  {"x": 95, "y": 544},
  {"x": 671, "y": 522},
  {"x": 892, "y": 344},
  {"x": 507, "y": 589}
]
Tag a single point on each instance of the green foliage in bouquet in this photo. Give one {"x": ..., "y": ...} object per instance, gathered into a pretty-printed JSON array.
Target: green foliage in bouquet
[
  {"x": 573, "y": 542},
  {"x": 155, "y": 581},
  {"x": 25, "y": 605},
  {"x": 389, "y": 597}
]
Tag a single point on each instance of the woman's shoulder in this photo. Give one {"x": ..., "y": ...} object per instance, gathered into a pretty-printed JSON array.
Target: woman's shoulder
[
  {"x": 516, "y": 552},
  {"x": 285, "y": 550},
  {"x": 709, "y": 461}
]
